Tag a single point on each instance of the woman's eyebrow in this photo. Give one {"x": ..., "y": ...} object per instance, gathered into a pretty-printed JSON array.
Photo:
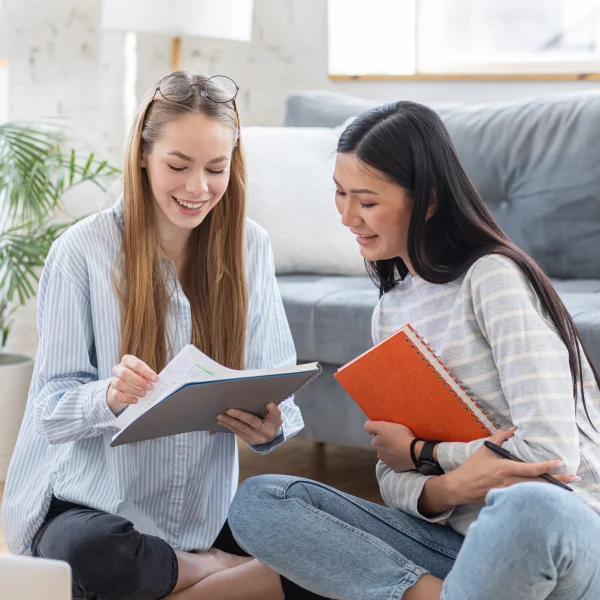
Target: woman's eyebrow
[
  {"x": 181, "y": 155},
  {"x": 358, "y": 191},
  {"x": 190, "y": 159}
]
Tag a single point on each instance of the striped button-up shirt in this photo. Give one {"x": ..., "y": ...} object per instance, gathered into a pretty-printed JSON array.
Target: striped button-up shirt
[{"x": 178, "y": 488}]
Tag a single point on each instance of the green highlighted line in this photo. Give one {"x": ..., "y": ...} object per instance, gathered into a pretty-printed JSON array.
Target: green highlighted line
[{"x": 203, "y": 369}]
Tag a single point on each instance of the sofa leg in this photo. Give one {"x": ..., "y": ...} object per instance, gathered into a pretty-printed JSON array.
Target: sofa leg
[{"x": 319, "y": 458}]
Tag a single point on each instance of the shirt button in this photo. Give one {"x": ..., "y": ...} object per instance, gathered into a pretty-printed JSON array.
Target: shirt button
[{"x": 182, "y": 451}]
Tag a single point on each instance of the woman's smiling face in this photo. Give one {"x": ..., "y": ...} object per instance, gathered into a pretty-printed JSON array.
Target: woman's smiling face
[
  {"x": 376, "y": 210},
  {"x": 188, "y": 170}
]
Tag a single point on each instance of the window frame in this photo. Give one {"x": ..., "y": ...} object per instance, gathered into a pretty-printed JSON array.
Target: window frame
[{"x": 543, "y": 70}]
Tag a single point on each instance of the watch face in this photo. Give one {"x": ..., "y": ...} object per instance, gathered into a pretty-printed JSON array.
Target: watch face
[{"x": 429, "y": 468}]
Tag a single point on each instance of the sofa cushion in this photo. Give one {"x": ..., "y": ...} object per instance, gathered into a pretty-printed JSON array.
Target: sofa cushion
[
  {"x": 327, "y": 109},
  {"x": 534, "y": 161},
  {"x": 291, "y": 194},
  {"x": 330, "y": 317}
]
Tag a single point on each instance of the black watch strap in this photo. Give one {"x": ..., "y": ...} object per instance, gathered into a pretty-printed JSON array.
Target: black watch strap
[
  {"x": 427, "y": 451},
  {"x": 425, "y": 463},
  {"x": 413, "y": 456}
]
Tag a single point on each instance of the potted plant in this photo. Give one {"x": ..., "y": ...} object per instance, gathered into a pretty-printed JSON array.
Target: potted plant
[{"x": 35, "y": 172}]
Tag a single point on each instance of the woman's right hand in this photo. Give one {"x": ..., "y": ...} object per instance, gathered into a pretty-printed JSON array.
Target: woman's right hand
[
  {"x": 485, "y": 470},
  {"x": 132, "y": 378}
]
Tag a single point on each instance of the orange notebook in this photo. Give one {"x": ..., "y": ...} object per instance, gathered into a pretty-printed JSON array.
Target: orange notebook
[{"x": 401, "y": 380}]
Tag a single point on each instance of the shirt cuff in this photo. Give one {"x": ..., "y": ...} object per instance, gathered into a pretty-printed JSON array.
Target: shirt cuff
[
  {"x": 270, "y": 446},
  {"x": 440, "y": 517},
  {"x": 452, "y": 455},
  {"x": 97, "y": 411}
]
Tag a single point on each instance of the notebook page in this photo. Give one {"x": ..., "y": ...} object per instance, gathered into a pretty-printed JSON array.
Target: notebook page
[{"x": 189, "y": 365}]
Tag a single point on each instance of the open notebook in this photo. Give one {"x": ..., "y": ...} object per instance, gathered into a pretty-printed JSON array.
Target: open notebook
[
  {"x": 401, "y": 380},
  {"x": 193, "y": 389}
]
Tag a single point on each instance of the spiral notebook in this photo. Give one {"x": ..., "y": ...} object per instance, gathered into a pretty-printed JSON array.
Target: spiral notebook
[
  {"x": 193, "y": 389},
  {"x": 401, "y": 380}
]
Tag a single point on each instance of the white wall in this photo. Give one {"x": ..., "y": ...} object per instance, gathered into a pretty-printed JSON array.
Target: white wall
[
  {"x": 3, "y": 93},
  {"x": 63, "y": 65}
]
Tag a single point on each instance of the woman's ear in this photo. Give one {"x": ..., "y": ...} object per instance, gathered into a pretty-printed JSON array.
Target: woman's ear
[
  {"x": 143, "y": 160},
  {"x": 433, "y": 204}
]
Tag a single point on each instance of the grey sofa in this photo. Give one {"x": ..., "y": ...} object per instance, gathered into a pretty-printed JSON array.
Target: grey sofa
[{"x": 537, "y": 165}]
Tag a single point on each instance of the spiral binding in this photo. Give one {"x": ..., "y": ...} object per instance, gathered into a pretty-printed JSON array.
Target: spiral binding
[
  {"x": 305, "y": 383},
  {"x": 471, "y": 405}
]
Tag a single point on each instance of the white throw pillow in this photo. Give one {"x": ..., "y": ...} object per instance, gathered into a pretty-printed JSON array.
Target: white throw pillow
[{"x": 291, "y": 194}]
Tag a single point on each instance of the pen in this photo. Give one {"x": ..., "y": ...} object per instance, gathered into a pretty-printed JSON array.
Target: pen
[{"x": 506, "y": 454}]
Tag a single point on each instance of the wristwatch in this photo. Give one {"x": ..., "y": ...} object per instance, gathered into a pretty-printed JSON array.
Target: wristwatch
[{"x": 425, "y": 464}]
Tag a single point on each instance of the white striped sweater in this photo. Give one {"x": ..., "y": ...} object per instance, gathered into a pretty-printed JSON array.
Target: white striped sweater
[
  {"x": 178, "y": 488},
  {"x": 488, "y": 328}
]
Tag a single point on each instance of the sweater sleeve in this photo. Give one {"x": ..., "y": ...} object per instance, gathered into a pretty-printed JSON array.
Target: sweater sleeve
[
  {"x": 532, "y": 364},
  {"x": 401, "y": 491}
]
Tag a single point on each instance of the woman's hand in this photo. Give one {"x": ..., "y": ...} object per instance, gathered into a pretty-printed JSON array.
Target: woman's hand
[
  {"x": 252, "y": 429},
  {"x": 392, "y": 442},
  {"x": 132, "y": 378},
  {"x": 485, "y": 470}
]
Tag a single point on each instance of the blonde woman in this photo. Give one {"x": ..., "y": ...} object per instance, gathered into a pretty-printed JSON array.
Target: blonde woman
[{"x": 174, "y": 261}]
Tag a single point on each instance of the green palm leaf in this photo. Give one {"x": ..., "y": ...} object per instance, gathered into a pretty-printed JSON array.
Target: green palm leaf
[
  {"x": 22, "y": 250},
  {"x": 35, "y": 171}
]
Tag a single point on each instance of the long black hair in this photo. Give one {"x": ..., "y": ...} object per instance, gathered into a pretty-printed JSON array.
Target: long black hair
[{"x": 450, "y": 227}]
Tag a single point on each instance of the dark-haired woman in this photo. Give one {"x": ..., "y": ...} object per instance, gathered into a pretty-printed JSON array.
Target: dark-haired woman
[{"x": 474, "y": 527}]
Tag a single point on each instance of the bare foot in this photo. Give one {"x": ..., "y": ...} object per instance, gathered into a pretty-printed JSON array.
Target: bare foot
[
  {"x": 256, "y": 581},
  {"x": 196, "y": 566},
  {"x": 228, "y": 560}
]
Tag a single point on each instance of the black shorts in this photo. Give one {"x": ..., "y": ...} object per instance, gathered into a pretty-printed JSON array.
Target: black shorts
[{"x": 110, "y": 560}]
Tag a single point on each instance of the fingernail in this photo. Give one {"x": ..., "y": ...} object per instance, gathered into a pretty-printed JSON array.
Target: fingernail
[
  {"x": 154, "y": 378},
  {"x": 143, "y": 392},
  {"x": 219, "y": 417},
  {"x": 574, "y": 479},
  {"x": 149, "y": 386},
  {"x": 560, "y": 464},
  {"x": 231, "y": 413},
  {"x": 271, "y": 406}
]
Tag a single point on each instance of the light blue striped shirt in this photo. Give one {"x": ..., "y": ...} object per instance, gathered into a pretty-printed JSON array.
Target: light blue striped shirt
[{"x": 178, "y": 488}]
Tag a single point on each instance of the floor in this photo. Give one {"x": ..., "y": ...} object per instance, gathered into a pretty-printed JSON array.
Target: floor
[{"x": 351, "y": 470}]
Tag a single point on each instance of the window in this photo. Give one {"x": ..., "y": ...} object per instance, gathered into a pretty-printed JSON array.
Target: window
[{"x": 464, "y": 37}]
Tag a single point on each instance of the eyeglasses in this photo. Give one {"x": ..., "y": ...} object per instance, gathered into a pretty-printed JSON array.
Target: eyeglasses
[{"x": 177, "y": 88}]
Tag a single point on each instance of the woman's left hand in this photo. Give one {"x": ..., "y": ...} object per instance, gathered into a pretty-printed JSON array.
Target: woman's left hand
[
  {"x": 252, "y": 429},
  {"x": 392, "y": 442}
]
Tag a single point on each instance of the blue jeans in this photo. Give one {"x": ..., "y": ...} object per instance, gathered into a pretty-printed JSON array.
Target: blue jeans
[{"x": 532, "y": 541}]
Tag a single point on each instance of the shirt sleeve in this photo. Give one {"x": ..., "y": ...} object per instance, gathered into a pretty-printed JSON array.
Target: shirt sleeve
[
  {"x": 533, "y": 367},
  {"x": 401, "y": 491},
  {"x": 270, "y": 343},
  {"x": 70, "y": 400}
]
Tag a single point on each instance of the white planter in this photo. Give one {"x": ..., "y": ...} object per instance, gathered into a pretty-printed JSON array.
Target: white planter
[{"x": 15, "y": 376}]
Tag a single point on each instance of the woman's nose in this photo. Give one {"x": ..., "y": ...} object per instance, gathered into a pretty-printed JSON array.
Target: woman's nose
[
  {"x": 349, "y": 215},
  {"x": 197, "y": 184}
]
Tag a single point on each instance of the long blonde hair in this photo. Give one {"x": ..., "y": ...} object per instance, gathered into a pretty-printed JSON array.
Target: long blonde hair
[{"x": 213, "y": 278}]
